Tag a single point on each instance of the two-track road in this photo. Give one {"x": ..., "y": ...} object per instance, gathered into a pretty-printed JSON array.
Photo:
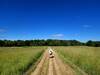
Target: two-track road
[{"x": 52, "y": 66}]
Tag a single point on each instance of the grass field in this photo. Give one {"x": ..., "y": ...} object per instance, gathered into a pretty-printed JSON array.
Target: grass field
[
  {"x": 86, "y": 58},
  {"x": 16, "y": 60}
]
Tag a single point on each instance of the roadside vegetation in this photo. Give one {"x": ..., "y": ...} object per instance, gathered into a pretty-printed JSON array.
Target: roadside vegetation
[
  {"x": 17, "y": 60},
  {"x": 85, "y": 58}
]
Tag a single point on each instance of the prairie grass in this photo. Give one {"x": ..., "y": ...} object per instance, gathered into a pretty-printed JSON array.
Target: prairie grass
[
  {"x": 86, "y": 58},
  {"x": 16, "y": 60}
]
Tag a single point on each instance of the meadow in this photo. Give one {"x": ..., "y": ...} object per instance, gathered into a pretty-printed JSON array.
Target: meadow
[
  {"x": 17, "y": 60},
  {"x": 87, "y": 59}
]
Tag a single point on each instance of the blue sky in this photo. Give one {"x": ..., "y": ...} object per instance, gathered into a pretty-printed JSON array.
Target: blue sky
[{"x": 50, "y": 19}]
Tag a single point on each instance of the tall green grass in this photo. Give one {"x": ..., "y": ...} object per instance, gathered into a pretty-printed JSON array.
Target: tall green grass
[
  {"x": 86, "y": 58},
  {"x": 16, "y": 60}
]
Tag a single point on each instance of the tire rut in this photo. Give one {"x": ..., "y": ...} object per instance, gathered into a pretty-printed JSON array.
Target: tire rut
[{"x": 52, "y": 66}]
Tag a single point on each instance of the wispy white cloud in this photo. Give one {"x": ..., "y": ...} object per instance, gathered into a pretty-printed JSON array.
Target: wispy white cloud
[
  {"x": 2, "y": 30},
  {"x": 57, "y": 35},
  {"x": 87, "y": 26}
]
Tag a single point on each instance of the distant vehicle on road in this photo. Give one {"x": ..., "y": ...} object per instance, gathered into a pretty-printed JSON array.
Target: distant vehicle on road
[{"x": 51, "y": 55}]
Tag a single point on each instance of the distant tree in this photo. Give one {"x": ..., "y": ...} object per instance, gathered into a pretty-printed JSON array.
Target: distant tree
[
  {"x": 97, "y": 43},
  {"x": 89, "y": 43},
  {"x": 93, "y": 43}
]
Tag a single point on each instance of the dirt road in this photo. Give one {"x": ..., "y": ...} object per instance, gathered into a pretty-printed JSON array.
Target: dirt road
[{"x": 52, "y": 66}]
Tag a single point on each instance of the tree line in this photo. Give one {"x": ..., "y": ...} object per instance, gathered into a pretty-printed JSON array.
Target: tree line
[
  {"x": 49, "y": 42},
  {"x": 93, "y": 43}
]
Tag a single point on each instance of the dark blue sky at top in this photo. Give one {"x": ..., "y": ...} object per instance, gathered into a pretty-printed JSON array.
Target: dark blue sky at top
[{"x": 50, "y": 19}]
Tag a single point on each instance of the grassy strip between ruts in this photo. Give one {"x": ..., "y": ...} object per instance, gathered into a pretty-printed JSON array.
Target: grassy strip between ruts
[
  {"x": 17, "y": 60},
  {"x": 82, "y": 58}
]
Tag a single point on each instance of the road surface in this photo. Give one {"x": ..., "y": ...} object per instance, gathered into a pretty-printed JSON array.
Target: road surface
[{"x": 52, "y": 66}]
